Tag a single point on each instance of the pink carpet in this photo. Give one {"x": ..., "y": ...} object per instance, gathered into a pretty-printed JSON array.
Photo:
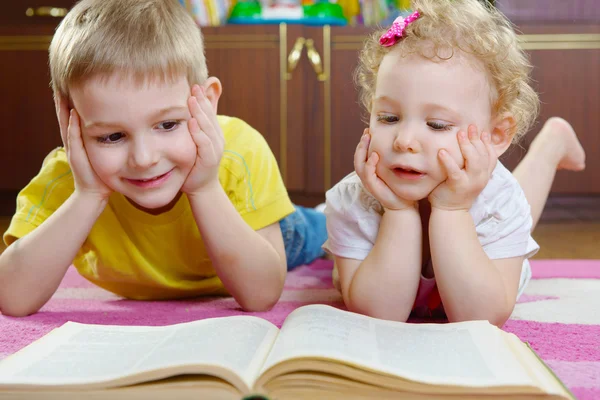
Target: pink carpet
[{"x": 559, "y": 314}]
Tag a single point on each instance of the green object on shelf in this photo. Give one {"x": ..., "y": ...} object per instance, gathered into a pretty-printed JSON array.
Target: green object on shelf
[
  {"x": 324, "y": 9},
  {"x": 246, "y": 9}
]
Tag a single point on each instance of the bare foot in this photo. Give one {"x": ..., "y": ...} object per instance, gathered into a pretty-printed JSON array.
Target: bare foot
[{"x": 562, "y": 140}]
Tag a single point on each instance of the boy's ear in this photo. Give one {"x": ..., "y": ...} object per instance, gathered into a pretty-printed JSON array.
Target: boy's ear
[
  {"x": 503, "y": 131},
  {"x": 212, "y": 90}
]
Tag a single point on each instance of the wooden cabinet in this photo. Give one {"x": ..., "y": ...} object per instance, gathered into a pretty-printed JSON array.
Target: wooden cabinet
[
  {"x": 320, "y": 118},
  {"x": 304, "y": 102}
]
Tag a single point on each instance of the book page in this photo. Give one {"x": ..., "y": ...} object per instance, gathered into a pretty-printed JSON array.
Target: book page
[
  {"x": 466, "y": 354},
  {"x": 79, "y": 353}
]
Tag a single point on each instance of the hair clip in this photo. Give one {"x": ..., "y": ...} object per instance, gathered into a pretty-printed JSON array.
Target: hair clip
[{"x": 394, "y": 34}]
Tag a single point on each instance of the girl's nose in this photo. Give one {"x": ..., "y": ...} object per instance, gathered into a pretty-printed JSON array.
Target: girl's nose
[{"x": 405, "y": 141}]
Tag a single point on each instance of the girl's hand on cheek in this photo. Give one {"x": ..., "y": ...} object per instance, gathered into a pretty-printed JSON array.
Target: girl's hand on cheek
[
  {"x": 210, "y": 142},
  {"x": 365, "y": 166},
  {"x": 85, "y": 178},
  {"x": 463, "y": 186}
]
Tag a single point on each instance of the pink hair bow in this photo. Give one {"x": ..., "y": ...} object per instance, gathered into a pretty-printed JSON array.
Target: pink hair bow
[{"x": 394, "y": 34}]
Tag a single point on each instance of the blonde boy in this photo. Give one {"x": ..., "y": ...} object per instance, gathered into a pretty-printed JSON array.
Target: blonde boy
[{"x": 153, "y": 196}]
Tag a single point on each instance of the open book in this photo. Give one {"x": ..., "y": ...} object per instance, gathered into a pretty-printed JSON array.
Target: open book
[{"x": 320, "y": 352}]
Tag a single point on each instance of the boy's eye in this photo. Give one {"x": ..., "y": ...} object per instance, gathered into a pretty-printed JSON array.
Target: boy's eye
[
  {"x": 437, "y": 126},
  {"x": 112, "y": 138},
  {"x": 168, "y": 125},
  {"x": 388, "y": 119}
]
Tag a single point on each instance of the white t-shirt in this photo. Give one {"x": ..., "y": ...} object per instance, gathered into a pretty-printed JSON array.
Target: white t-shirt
[{"x": 501, "y": 214}]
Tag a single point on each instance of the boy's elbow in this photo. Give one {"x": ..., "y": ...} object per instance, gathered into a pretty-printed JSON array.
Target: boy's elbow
[
  {"x": 265, "y": 298},
  {"x": 259, "y": 303},
  {"x": 17, "y": 310},
  {"x": 260, "y": 300},
  {"x": 16, "y": 303}
]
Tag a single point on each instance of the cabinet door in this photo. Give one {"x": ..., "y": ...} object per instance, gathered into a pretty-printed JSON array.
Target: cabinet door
[
  {"x": 566, "y": 74},
  {"x": 27, "y": 107},
  {"x": 331, "y": 114},
  {"x": 349, "y": 117},
  {"x": 251, "y": 62},
  {"x": 314, "y": 117}
]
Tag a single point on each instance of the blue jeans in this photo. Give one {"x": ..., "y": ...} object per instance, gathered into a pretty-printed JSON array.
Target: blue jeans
[{"x": 304, "y": 232}]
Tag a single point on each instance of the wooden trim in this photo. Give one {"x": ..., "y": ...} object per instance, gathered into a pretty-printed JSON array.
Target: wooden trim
[
  {"x": 241, "y": 45},
  {"x": 242, "y": 38},
  {"x": 567, "y": 41},
  {"x": 567, "y": 208},
  {"x": 250, "y": 41},
  {"x": 283, "y": 105},
  {"x": 25, "y": 39},
  {"x": 562, "y": 41}
]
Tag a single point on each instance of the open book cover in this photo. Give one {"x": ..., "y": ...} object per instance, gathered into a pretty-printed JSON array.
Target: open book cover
[{"x": 319, "y": 352}]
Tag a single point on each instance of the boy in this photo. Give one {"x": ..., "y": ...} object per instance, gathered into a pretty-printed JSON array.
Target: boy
[{"x": 153, "y": 196}]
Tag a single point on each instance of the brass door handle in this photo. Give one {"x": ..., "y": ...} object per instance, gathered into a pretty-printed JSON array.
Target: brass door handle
[
  {"x": 57, "y": 12},
  {"x": 315, "y": 60},
  {"x": 294, "y": 57}
]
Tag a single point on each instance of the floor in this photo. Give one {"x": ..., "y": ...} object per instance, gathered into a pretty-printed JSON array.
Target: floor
[{"x": 556, "y": 239}]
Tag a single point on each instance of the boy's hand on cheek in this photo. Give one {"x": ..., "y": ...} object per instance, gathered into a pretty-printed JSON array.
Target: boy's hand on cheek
[
  {"x": 459, "y": 190},
  {"x": 365, "y": 166},
  {"x": 210, "y": 142},
  {"x": 86, "y": 179}
]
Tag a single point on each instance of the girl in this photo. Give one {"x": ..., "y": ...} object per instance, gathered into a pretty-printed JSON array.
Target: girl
[{"x": 431, "y": 221}]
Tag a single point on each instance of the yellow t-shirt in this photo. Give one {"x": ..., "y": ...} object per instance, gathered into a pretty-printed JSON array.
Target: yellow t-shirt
[{"x": 142, "y": 256}]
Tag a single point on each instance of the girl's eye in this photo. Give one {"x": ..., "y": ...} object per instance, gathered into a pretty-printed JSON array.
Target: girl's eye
[
  {"x": 169, "y": 125},
  {"x": 436, "y": 126},
  {"x": 388, "y": 119},
  {"x": 112, "y": 138}
]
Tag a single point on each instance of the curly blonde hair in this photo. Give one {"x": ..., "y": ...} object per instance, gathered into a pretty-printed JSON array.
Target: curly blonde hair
[
  {"x": 473, "y": 28},
  {"x": 144, "y": 39}
]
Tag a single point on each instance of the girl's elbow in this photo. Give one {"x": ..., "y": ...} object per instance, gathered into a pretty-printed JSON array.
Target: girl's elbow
[
  {"x": 503, "y": 312},
  {"x": 502, "y": 316},
  {"x": 497, "y": 316},
  {"x": 380, "y": 311}
]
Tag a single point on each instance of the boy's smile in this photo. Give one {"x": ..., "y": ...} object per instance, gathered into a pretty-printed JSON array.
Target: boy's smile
[
  {"x": 136, "y": 135},
  {"x": 153, "y": 182}
]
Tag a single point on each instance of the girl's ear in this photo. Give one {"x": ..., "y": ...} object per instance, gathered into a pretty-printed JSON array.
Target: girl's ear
[
  {"x": 503, "y": 132},
  {"x": 212, "y": 90}
]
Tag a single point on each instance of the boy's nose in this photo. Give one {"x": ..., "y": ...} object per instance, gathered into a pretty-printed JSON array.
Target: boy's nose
[{"x": 143, "y": 154}]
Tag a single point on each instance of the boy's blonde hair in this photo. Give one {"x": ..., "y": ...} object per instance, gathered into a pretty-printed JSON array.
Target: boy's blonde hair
[
  {"x": 144, "y": 39},
  {"x": 473, "y": 28}
]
